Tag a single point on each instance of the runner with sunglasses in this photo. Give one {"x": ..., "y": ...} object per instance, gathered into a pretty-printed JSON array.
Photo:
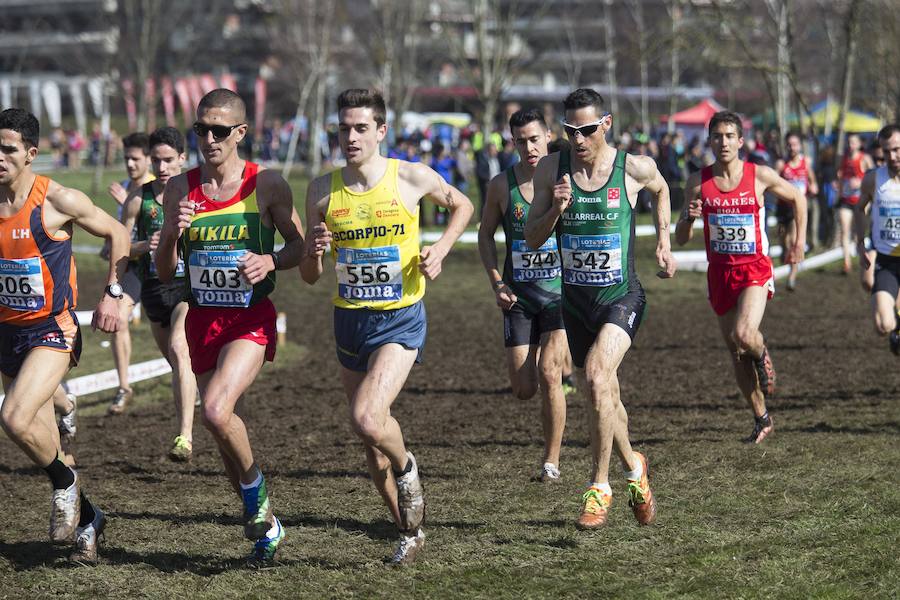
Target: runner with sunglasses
[
  {"x": 220, "y": 219},
  {"x": 728, "y": 196},
  {"x": 586, "y": 197},
  {"x": 368, "y": 212},
  {"x": 529, "y": 290}
]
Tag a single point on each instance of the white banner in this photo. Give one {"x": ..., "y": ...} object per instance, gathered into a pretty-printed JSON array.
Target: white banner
[
  {"x": 5, "y": 94},
  {"x": 78, "y": 107},
  {"x": 52, "y": 102},
  {"x": 34, "y": 96},
  {"x": 95, "y": 91}
]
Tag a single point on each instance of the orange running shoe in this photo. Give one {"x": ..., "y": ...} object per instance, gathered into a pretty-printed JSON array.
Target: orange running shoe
[
  {"x": 594, "y": 510},
  {"x": 641, "y": 499}
]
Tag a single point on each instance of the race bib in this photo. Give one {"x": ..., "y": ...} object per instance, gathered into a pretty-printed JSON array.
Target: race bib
[
  {"x": 847, "y": 190},
  {"x": 179, "y": 268},
  {"x": 215, "y": 279},
  {"x": 21, "y": 284},
  {"x": 594, "y": 260},
  {"x": 889, "y": 223},
  {"x": 800, "y": 184},
  {"x": 732, "y": 234},
  {"x": 535, "y": 265},
  {"x": 369, "y": 274}
]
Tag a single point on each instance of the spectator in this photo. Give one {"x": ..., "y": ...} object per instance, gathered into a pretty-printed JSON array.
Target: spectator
[{"x": 487, "y": 166}]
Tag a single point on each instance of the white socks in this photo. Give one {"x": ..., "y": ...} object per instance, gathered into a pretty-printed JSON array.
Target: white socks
[
  {"x": 603, "y": 487},
  {"x": 636, "y": 474}
]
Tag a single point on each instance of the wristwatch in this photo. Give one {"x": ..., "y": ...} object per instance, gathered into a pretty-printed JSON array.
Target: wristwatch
[{"x": 115, "y": 290}]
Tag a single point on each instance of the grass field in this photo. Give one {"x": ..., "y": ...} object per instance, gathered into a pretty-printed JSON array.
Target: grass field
[{"x": 814, "y": 512}]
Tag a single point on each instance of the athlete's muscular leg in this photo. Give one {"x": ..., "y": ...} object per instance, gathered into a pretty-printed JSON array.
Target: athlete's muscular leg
[
  {"x": 521, "y": 364},
  {"x": 220, "y": 389},
  {"x": 740, "y": 329},
  {"x": 845, "y": 220},
  {"x": 27, "y": 411},
  {"x": 885, "y": 311},
  {"x": 121, "y": 341},
  {"x": 553, "y": 406},
  {"x": 184, "y": 383},
  {"x": 608, "y": 419}
]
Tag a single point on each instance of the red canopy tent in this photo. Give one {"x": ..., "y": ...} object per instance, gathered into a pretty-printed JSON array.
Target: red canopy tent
[{"x": 698, "y": 116}]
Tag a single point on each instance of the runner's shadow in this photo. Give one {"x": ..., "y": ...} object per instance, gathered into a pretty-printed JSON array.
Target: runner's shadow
[
  {"x": 172, "y": 562},
  {"x": 25, "y": 556},
  {"x": 460, "y": 391},
  {"x": 874, "y": 429},
  {"x": 376, "y": 530},
  {"x": 203, "y": 518}
]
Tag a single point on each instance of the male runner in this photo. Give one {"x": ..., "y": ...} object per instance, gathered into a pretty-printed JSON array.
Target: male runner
[
  {"x": 798, "y": 171},
  {"x": 39, "y": 335},
  {"x": 728, "y": 196},
  {"x": 528, "y": 292},
  {"x": 880, "y": 190},
  {"x": 369, "y": 210},
  {"x": 164, "y": 302},
  {"x": 578, "y": 195},
  {"x": 854, "y": 165},
  {"x": 222, "y": 217},
  {"x": 137, "y": 164}
]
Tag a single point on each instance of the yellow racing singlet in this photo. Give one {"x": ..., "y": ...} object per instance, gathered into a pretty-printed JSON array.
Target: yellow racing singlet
[{"x": 375, "y": 245}]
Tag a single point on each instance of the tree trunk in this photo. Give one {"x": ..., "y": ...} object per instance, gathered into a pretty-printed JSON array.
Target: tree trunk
[
  {"x": 295, "y": 131},
  {"x": 611, "y": 65},
  {"x": 675, "y": 13},
  {"x": 781, "y": 12},
  {"x": 852, "y": 28},
  {"x": 315, "y": 129}
]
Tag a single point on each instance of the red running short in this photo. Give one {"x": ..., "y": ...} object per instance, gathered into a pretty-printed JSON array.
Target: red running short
[
  {"x": 208, "y": 329},
  {"x": 727, "y": 282}
]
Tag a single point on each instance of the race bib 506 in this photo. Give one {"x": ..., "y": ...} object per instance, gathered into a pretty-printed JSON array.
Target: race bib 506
[{"x": 22, "y": 284}]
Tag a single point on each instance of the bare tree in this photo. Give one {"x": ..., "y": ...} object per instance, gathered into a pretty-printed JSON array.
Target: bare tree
[
  {"x": 851, "y": 29},
  {"x": 637, "y": 13},
  {"x": 676, "y": 13}
]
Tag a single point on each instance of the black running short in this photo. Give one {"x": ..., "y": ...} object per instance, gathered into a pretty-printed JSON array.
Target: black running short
[
  {"x": 522, "y": 328},
  {"x": 626, "y": 313},
  {"x": 160, "y": 299},
  {"x": 131, "y": 283},
  {"x": 887, "y": 274},
  {"x": 784, "y": 213}
]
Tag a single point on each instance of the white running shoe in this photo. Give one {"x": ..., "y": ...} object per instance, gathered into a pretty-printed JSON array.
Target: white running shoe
[
  {"x": 65, "y": 510},
  {"x": 86, "y": 540},
  {"x": 549, "y": 474},
  {"x": 409, "y": 548},
  {"x": 411, "y": 498}
]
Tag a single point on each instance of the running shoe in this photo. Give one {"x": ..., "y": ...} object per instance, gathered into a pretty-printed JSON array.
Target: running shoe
[
  {"x": 66, "y": 422},
  {"x": 765, "y": 372},
  {"x": 894, "y": 342},
  {"x": 181, "y": 451},
  {"x": 411, "y": 498},
  {"x": 263, "y": 554},
  {"x": 65, "y": 509},
  {"x": 410, "y": 547},
  {"x": 762, "y": 428},
  {"x": 595, "y": 508},
  {"x": 568, "y": 386},
  {"x": 640, "y": 498},
  {"x": 549, "y": 474},
  {"x": 120, "y": 401},
  {"x": 87, "y": 542},
  {"x": 258, "y": 517}
]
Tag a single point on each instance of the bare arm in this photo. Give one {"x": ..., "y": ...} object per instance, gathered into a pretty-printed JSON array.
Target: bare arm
[
  {"x": 692, "y": 209},
  {"x": 130, "y": 211},
  {"x": 432, "y": 185},
  {"x": 80, "y": 210},
  {"x": 551, "y": 198},
  {"x": 178, "y": 212},
  {"x": 643, "y": 170},
  {"x": 491, "y": 215},
  {"x": 811, "y": 182},
  {"x": 318, "y": 238},
  {"x": 861, "y": 217},
  {"x": 783, "y": 189}
]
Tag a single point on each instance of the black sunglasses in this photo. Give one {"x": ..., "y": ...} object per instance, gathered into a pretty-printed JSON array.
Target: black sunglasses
[
  {"x": 585, "y": 130},
  {"x": 220, "y": 132}
]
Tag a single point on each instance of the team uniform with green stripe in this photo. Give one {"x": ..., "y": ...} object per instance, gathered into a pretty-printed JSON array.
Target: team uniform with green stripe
[
  {"x": 596, "y": 242},
  {"x": 158, "y": 299},
  {"x": 532, "y": 275}
]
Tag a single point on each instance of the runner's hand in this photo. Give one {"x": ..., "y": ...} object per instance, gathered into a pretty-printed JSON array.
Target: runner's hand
[
  {"x": 319, "y": 241},
  {"x": 106, "y": 317},
  {"x": 795, "y": 255},
  {"x": 154, "y": 241},
  {"x": 505, "y": 297},
  {"x": 430, "y": 260},
  {"x": 255, "y": 267},
  {"x": 695, "y": 209},
  {"x": 117, "y": 192},
  {"x": 185, "y": 214},
  {"x": 562, "y": 193},
  {"x": 864, "y": 262},
  {"x": 666, "y": 261}
]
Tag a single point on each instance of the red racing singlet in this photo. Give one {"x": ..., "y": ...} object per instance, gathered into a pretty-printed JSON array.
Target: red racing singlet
[
  {"x": 731, "y": 220},
  {"x": 850, "y": 168},
  {"x": 797, "y": 176},
  {"x": 37, "y": 270}
]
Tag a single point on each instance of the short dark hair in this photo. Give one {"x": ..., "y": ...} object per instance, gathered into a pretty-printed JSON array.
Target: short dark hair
[
  {"x": 728, "y": 117},
  {"x": 523, "y": 117},
  {"x": 224, "y": 98},
  {"x": 139, "y": 140},
  {"x": 791, "y": 134},
  {"x": 168, "y": 136},
  {"x": 887, "y": 131},
  {"x": 584, "y": 97},
  {"x": 361, "y": 98},
  {"x": 22, "y": 122}
]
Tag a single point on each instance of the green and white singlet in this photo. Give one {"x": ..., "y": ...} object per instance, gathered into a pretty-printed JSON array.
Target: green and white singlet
[{"x": 149, "y": 221}]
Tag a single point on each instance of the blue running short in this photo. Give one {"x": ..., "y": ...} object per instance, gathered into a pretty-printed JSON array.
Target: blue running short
[{"x": 361, "y": 331}]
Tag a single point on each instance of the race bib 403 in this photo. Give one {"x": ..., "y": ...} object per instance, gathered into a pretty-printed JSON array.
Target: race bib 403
[
  {"x": 592, "y": 260},
  {"x": 535, "y": 265},
  {"x": 216, "y": 280},
  {"x": 22, "y": 284},
  {"x": 369, "y": 274},
  {"x": 732, "y": 234}
]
